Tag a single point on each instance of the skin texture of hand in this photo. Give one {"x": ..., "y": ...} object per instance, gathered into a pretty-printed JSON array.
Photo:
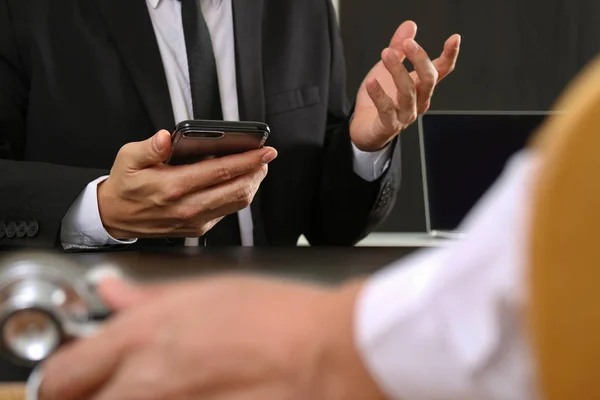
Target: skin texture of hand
[
  {"x": 144, "y": 197},
  {"x": 390, "y": 98},
  {"x": 221, "y": 338}
]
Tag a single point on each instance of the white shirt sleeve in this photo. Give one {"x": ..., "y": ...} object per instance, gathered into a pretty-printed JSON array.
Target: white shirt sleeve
[
  {"x": 448, "y": 323},
  {"x": 371, "y": 165},
  {"x": 82, "y": 226}
]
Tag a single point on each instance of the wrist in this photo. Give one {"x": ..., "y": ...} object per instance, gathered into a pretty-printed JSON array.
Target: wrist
[
  {"x": 106, "y": 203},
  {"x": 371, "y": 147},
  {"x": 347, "y": 375},
  {"x": 371, "y": 144}
]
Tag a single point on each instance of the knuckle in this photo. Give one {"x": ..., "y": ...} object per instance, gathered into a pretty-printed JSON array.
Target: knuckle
[
  {"x": 183, "y": 214},
  {"x": 174, "y": 191},
  {"x": 162, "y": 198},
  {"x": 380, "y": 94},
  {"x": 244, "y": 195},
  {"x": 203, "y": 228},
  {"x": 408, "y": 89},
  {"x": 222, "y": 173},
  {"x": 425, "y": 107},
  {"x": 413, "y": 116},
  {"x": 262, "y": 172},
  {"x": 159, "y": 201},
  {"x": 430, "y": 76},
  {"x": 410, "y": 116},
  {"x": 388, "y": 106}
]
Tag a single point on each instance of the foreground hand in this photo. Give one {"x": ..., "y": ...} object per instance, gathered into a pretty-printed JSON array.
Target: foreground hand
[
  {"x": 143, "y": 197},
  {"x": 225, "y": 338},
  {"x": 390, "y": 98}
]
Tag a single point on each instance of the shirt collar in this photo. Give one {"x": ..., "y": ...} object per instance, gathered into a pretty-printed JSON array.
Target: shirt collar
[{"x": 156, "y": 3}]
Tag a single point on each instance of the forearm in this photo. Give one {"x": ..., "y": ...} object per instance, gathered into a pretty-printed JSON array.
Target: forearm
[
  {"x": 448, "y": 323},
  {"x": 347, "y": 376},
  {"x": 40, "y": 192}
]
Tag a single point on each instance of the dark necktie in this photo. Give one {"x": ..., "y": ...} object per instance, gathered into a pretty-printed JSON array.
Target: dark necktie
[{"x": 206, "y": 99}]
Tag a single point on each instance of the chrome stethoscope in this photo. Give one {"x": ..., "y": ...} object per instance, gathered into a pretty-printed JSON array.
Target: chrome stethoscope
[{"x": 46, "y": 300}]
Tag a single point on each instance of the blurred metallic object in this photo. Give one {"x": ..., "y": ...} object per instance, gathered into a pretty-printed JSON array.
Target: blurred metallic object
[{"x": 45, "y": 300}]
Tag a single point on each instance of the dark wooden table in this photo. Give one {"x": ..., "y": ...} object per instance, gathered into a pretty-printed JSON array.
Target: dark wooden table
[{"x": 328, "y": 265}]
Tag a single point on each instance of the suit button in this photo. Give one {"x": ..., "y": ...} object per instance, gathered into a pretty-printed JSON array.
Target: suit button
[
  {"x": 2, "y": 229},
  {"x": 387, "y": 189},
  {"x": 32, "y": 228},
  {"x": 11, "y": 229},
  {"x": 21, "y": 229}
]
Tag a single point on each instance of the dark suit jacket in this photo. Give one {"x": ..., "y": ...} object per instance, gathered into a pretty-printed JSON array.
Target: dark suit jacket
[{"x": 80, "y": 78}]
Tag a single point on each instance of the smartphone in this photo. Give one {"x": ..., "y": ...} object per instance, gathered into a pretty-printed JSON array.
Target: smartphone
[{"x": 197, "y": 140}]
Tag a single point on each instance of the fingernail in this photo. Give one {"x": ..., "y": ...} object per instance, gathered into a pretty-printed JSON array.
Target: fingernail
[
  {"x": 157, "y": 143},
  {"x": 411, "y": 46},
  {"x": 269, "y": 156}
]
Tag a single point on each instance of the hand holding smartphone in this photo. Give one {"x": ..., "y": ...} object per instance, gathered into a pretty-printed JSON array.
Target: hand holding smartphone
[
  {"x": 197, "y": 140},
  {"x": 141, "y": 199}
]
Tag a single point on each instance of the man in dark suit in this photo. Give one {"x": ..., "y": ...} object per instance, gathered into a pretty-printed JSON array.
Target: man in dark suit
[{"x": 83, "y": 81}]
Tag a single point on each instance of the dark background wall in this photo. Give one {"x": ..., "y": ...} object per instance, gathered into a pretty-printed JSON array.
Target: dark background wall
[{"x": 515, "y": 55}]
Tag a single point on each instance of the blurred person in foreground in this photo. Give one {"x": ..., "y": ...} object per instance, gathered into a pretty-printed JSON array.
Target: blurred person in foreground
[
  {"x": 89, "y": 92},
  {"x": 442, "y": 324}
]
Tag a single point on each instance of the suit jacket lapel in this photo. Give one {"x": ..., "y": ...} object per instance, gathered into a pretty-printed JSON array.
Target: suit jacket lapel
[
  {"x": 247, "y": 21},
  {"x": 134, "y": 36}
]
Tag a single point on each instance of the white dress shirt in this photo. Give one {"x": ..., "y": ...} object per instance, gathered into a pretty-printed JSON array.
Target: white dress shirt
[
  {"x": 448, "y": 323},
  {"x": 82, "y": 226}
]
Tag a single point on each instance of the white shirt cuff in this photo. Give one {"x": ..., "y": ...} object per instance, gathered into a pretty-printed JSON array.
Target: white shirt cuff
[
  {"x": 371, "y": 165},
  {"x": 82, "y": 226}
]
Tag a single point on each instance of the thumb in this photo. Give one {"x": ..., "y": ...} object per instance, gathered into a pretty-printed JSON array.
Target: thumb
[{"x": 155, "y": 150}]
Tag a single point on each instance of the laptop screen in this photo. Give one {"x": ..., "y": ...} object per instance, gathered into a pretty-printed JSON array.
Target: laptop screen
[{"x": 463, "y": 155}]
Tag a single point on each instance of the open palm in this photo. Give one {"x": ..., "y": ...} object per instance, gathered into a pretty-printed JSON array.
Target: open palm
[{"x": 390, "y": 98}]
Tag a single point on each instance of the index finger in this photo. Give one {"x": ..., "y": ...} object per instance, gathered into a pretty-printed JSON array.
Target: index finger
[
  {"x": 80, "y": 369},
  {"x": 194, "y": 177},
  {"x": 119, "y": 294}
]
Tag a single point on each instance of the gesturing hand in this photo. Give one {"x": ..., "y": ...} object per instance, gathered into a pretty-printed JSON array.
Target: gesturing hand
[{"x": 390, "y": 98}]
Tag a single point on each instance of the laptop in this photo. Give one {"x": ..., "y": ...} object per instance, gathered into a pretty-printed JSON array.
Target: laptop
[{"x": 462, "y": 155}]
